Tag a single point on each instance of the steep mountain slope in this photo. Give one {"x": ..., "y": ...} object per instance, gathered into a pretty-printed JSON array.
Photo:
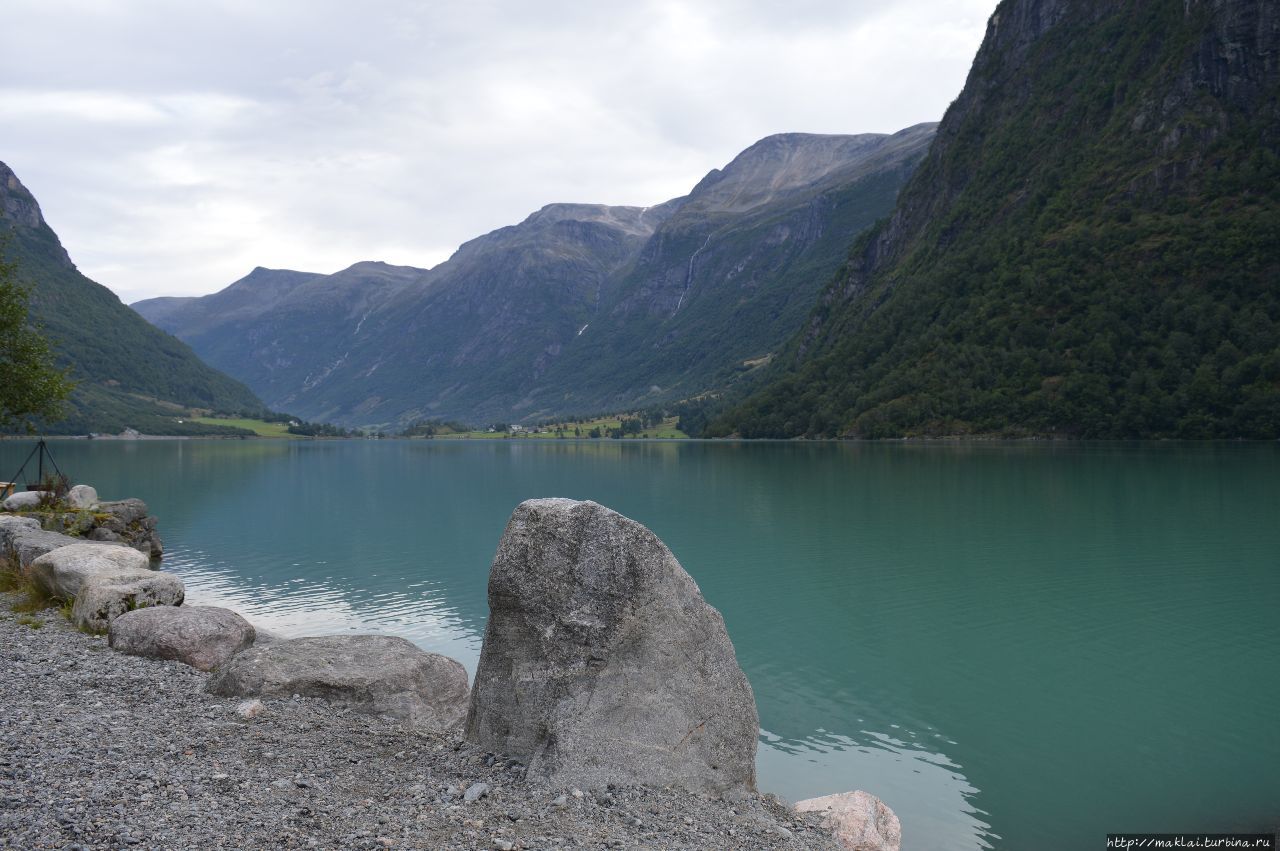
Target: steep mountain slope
[
  {"x": 578, "y": 308},
  {"x": 735, "y": 269},
  {"x": 280, "y": 331},
  {"x": 130, "y": 374},
  {"x": 1091, "y": 247},
  {"x": 467, "y": 341}
]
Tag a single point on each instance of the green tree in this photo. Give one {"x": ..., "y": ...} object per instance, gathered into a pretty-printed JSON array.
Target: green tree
[{"x": 31, "y": 387}]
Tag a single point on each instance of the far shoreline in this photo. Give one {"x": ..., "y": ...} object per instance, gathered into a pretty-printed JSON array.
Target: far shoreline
[{"x": 954, "y": 440}]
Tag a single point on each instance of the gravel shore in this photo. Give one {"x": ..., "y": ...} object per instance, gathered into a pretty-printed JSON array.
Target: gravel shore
[{"x": 103, "y": 750}]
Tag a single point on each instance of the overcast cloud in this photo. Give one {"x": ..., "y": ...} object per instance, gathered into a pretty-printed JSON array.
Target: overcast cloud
[{"x": 176, "y": 145}]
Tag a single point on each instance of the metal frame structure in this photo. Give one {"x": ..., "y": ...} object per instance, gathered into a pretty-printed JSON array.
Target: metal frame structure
[{"x": 40, "y": 453}]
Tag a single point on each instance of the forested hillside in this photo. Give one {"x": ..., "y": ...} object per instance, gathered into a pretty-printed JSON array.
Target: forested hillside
[
  {"x": 1091, "y": 247},
  {"x": 129, "y": 374}
]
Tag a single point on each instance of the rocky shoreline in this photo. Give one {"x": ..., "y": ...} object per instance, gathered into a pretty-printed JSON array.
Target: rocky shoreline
[
  {"x": 608, "y": 711},
  {"x": 105, "y": 750}
]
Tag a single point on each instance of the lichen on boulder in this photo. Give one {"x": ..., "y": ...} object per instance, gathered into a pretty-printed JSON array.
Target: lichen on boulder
[{"x": 102, "y": 601}]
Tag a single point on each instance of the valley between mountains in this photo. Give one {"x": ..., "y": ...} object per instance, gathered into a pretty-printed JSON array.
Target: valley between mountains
[{"x": 578, "y": 309}]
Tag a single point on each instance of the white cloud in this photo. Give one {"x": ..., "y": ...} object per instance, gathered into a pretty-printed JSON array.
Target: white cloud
[{"x": 176, "y": 146}]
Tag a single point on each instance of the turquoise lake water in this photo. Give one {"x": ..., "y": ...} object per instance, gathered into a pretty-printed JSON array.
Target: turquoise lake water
[{"x": 1021, "y": 646}]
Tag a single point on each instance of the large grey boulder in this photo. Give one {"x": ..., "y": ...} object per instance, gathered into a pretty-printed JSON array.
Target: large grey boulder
[
  {"x": 103, "y": 600},
  {"x": 10, "y": 525},
  {"x": 10, "y": 528},
  {"x": 125, "y": 511},
  {"x": 128, "y": 521},
  {"x": 23, "y": 501},
  {"x": 858, "y": 820},
  {"x": 82, "y": 496},
  {"x": 23, "y": 541},
  {"x": 379, "y": 674},
  {"x": 204, "y": 637},
  {"x": 65, "y": 571},
  {"x": 603, "y": 664}
]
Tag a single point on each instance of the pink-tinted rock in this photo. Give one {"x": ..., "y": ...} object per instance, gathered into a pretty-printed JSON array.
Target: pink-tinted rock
[
  {"x": 859, "y": 820},
  {"x": 204, "y": 637}
]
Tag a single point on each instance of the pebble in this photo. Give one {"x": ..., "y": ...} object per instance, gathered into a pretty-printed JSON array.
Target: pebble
[
  {"x": 119, "y": 751},
  {"x": 250, "y": 709}
]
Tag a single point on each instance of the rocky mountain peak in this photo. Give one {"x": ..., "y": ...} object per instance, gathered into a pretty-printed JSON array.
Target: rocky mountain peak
[
  {"x": 628, "y": 219},
  {"x": 20, "y": 206},
  {"x": 378, "y": 270},
  {"x": 779, "y": 164},
  {"x": 20, "y": 209}
]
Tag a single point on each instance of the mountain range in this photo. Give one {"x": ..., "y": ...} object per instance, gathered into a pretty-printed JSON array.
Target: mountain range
[
  {"x": 579, "y": 308},
  {"x": 129, "y": 374}
]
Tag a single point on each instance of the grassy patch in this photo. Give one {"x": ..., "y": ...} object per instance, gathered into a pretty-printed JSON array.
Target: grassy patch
[
  {"x": 31, "y": 621},
  {"x": 11, "y": 580},
  {"x": 666, "y": 430},
  {"x": 30, "y": 596},
  {"x": 261, "y": 428}
]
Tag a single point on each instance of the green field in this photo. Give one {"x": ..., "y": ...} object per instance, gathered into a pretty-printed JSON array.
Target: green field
[
  {"x": 262, "y": 428},
  {"x": 666, "y": 430}
]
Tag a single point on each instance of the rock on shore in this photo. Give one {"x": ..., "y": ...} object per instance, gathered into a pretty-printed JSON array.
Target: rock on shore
[
  {"x": 859, "y": 820},
  {"x": 204, "y": 637},
  {"x": 10, "y": 528},
  {"x": 379, "y": 674},
  {"x": 11, "y": 524},
  {"x": 22, "y": 501},
  {"x": 102, "y": 602},
  {"x": 128, "y": 521},
  {"x": 66, "y": 571},
  {"x": 82, "y": 496},
  {"x": 22, "y": 541},
  {"x": 603, "y": 664}
]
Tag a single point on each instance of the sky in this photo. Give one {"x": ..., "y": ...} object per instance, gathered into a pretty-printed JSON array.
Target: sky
[{"x": 174, "y": 145}]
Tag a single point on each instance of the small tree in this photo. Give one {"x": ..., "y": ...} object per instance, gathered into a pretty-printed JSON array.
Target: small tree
[{"x": 30, "y": 385}]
